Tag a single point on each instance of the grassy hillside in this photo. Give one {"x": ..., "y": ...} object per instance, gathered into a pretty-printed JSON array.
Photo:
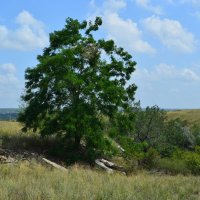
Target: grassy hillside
[
  {"x": 33, "y": 181},
  {"x": 191, "y": 116}
]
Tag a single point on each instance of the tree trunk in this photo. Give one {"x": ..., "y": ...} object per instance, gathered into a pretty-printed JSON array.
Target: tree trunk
[{"x": 53, "y": 164}]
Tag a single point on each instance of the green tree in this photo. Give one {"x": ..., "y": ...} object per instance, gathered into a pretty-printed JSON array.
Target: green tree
[
  {"x": 77, "y": 81},
  {"x": 149, "y": 125},
  {"x": 195, "y": 129},
  {"x": 178, "y": 134}
]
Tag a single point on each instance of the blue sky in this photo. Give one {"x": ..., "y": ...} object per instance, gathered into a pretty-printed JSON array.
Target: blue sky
[{"x": 163, "y": 37}]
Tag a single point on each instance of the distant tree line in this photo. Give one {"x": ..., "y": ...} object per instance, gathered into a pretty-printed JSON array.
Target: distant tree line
[{"x": 9, "y": 114}]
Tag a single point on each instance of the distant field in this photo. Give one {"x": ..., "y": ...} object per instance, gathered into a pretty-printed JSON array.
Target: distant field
[
  {"x": 9, "y": 128},
  {"x": 191, "y": 116}
]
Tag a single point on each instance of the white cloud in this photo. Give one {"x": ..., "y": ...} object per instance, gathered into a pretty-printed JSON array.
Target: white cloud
[
  {"x": 194, "y": 2},
  {"x": 130, "y": 38},
  {"x": 164, "y": 71},
  {"x": 191, "y": 2},
  {"x": 171, "y": 33},
  {"x": 8, "y": 68},
  {"x": 108, "y": 6},
  {"x": 190, "y": 75},
  {"x": 146, "y": 4},
  {"x": 10, "y": 86},
  {"x": 125, "y": 32},
  {"x": 167, "y": 86},
  {"x": 114, "y": 5},
  {"x": 29, "y": 35},
  {"x": 8, "y": 74}
]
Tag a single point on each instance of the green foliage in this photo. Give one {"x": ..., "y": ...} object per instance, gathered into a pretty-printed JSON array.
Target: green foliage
[
  {"x": 149, "y": 135},
  {"x": 150, "y": 159},
  {"x": 173, "y": 166},
  {"x": 195, "y": 129},
  {"x": 178, "y": 134},
  {"x": 167, "y": 150},
  {"x": 183, "y": 162},
  {"x": 192, "y": 160},
  {"x": 152, "y": 126},
  {"x": 77, "y": 81},
  {"x": 132, "y": 149},
  {"x": 122, "y": 123},
  {"x": 149, "y": 125},
  {"x": 197, "y": 149},
  {"x": 138, "y": 154}
]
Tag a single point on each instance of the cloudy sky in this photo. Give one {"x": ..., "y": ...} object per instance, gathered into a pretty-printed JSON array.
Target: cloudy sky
[{"x": 162, "y": 35}]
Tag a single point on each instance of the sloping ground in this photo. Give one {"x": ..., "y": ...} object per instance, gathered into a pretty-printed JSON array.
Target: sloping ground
[{"x": 191, "y": 116}]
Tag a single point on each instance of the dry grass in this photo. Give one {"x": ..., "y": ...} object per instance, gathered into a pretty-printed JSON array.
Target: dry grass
[
  {"x": 11, "y": 137},
  {"x": 9, "y": 128},
  {"x": 191, "y": 116},
  {"x": 35, "y": 182}
]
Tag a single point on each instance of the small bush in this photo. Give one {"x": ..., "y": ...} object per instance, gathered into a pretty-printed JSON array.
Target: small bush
[
  {"x": 173, "y": 166},
  {"x": 197, "y": 149},
  {"x": 150, "y": 159},
  {"x": 192, "y": 160},
  {"x": 132, "y": 149},
  {"x": 167, "y": 150}
]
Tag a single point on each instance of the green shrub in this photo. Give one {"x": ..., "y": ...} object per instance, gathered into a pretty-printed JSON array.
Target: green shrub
[
  {"x": 132, "y": 149},
  {"x": 167, "y": 150},
  {"x": 150, "y": 159},
  {"x": 183, "y": 162},
  {"x": 173, "y": 166},
  {"x": 192, "y": 160},
  {"x": 197, "y": 149}
]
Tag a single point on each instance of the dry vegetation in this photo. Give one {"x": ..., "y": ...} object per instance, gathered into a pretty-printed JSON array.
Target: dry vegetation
[
  {"x": 32, "y": 181},
  {"x": 35, "y": 182},
  {"x": 191, "y": 116},
  {"x": 9, "y": 128}
]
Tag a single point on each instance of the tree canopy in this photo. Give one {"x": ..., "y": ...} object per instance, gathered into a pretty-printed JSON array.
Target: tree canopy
[{"x": 77, "y": 81}]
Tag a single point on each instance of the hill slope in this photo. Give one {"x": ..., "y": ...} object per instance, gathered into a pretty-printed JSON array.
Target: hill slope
[{"x": 191, "y": 116}]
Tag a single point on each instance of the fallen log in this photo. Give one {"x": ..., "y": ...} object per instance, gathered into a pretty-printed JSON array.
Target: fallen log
[
  {"x": 6, "y": 160},
  {"x": 107, "y": 163},
  {"x": 2, "y": 158},
  {"x": 120, "y": 148},
  {"x": 55, "y": 165},
  {"x": 112, "y": 165},
  {"x": 10, "y": 160},
  {"x": 102, "y": 165}
]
